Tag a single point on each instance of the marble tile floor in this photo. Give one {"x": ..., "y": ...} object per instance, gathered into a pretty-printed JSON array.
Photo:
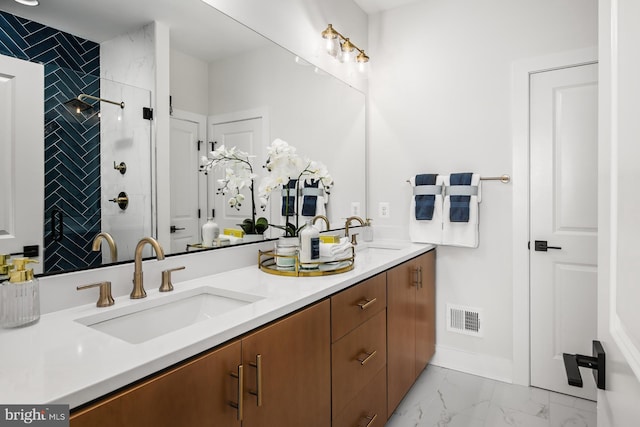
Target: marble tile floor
[{"x": 446, "y": 398}]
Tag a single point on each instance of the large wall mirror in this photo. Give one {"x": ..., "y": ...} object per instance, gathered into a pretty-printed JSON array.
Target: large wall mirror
[{"x": 229, "y": 86}]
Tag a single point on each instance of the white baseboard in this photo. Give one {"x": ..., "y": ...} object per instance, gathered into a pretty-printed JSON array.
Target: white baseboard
[{"x": 483, "y": 365}]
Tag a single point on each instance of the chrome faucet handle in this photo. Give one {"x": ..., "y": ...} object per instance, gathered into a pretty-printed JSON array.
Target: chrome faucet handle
[
  {"x": 166, "y": 285},
  {"x": 105, "y": 299}
]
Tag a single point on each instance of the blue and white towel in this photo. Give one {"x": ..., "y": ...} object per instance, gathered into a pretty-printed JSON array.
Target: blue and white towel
[
  {"x": 426, "y": 230},
  {"x": 460, "y": 222}
]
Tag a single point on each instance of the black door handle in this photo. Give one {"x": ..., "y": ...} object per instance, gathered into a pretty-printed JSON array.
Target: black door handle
[
  {"x": 173, "y": 229},
  {"x": 541, "y": 246}
]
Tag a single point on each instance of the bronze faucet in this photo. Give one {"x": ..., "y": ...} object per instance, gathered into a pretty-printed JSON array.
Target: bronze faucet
[
  {"x": 138, "y": 288},
  {"x": 322, "y": 217},
  {"x": 346, "y": 227},
  {"x": 112, "y": 244}
]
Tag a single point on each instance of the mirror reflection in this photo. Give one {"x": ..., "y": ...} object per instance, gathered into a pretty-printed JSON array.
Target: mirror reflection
[{"x": 243, "y": 94}]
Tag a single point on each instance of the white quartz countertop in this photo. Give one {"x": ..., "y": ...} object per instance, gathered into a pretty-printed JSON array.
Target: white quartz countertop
[{"x": 59, "y": 360}]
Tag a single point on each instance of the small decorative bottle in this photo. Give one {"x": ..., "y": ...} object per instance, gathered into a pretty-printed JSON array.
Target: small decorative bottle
[
  {"x": 309, "y": 243},
  {"x": 210, "y": 232}
]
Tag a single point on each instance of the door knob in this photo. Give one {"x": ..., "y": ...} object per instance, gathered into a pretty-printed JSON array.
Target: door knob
[
  {"x": 542, "y": 246},
  {"x": 173, "y": 229}
]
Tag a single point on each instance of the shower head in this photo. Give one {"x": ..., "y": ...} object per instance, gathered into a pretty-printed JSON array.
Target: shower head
[{"x": 79, "y": 105}]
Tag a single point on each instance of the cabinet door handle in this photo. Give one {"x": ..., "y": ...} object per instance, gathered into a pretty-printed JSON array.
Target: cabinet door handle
[
  {"x": 239, "y": 406},
  {"x": 366, "y": 303},
  {"x": 258, "y": 365},
  {"x": 371, "y": 420},
  {"x": 420, "y": 277},
  {"x": 366, "y": 359},
  {"x": 416, "y": 278}
]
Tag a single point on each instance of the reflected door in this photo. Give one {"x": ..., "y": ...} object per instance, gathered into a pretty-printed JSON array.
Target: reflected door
[
  {"x": 21, "y": 155},
  {"x": 564, "y": 205},
  {"x": 187, "y": 192},
  {"x": 247, "y": 136}
]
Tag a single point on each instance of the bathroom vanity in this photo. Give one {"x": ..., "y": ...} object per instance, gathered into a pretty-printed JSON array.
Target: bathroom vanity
[{"x": 288, "y": 351}]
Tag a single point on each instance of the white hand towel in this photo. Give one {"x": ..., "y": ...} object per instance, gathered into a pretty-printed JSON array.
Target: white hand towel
[
  {"x": 426, "y": 231},
  {"x": 464, "y": 234},
  {"x": 342, "y": 246}
]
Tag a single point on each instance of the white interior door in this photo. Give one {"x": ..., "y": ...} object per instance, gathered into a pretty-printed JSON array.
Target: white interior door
[
  {"x": 245, "y": 135},
  {"x": 618, "y": 290},
  {"x": 188, "y": 197},
  {"x": 21, "y": 143},
  {"x": 564, "y": 206}
]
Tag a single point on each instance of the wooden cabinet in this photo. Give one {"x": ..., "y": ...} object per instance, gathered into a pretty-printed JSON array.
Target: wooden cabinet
[
  {"x": 358, "y": 354},
  {"x": 410, "y": 323},
  {"x": 295, "y": 372},
  {"x": 345, "y": 361},
  {"x": 195, "y": 393},
  {"x": 291, "y": 377}
]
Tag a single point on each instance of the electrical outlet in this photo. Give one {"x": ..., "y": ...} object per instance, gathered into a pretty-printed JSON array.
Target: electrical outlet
[
  {"x": 355, "y": 208},
  {"x": 383, "y": 210}
]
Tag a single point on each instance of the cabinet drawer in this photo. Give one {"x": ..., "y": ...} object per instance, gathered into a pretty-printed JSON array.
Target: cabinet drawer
[
  {"x": 369, "y": 407},
  {"x": 357, "y": 304},
  {"x": 356, "y": 359}
]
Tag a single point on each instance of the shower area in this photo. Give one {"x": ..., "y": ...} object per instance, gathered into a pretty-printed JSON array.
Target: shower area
[{"x": 97, "y": 168}]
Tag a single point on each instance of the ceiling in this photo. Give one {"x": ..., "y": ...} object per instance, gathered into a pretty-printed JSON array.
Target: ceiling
[
  {"x": 194, "y": 25},
  {"x": 375, "y": 6}
]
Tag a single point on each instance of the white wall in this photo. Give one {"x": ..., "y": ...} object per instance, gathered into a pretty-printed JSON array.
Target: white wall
[
  {"x": 127, "y": 68},
  {"x": 296, "y": 25},
  {"x": 189, "y": 83},
  {"x": 440, "y": 90}
]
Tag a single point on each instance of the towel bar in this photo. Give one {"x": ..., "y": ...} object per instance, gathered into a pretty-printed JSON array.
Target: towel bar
[{"x": 505, "y": 179}]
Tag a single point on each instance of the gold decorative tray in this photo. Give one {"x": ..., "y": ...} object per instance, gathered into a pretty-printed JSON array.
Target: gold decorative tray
[{"x": 267, "y": 263}]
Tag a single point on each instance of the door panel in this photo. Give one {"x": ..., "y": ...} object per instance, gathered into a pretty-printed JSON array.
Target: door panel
[
  {"x": 21, "y": 143},
  {"x": 245, "y": 135},
  {"x": 185, "y": 187},
  {"x": 564, "y": 205}
]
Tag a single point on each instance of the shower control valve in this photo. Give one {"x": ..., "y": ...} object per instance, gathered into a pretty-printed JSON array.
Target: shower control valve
[{"x": 122, "y": 167}]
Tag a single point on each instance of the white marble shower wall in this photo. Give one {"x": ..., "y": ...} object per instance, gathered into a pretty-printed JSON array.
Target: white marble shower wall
[
  {"x": 128, "y": 73},
  {"x": 125, "y": 137}
]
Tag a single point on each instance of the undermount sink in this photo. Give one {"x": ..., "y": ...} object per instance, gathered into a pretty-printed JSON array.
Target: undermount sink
[{"x": 143, "y": 321}]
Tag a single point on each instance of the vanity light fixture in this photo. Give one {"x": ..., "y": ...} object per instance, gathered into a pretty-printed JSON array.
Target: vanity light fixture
[
  {"x": 28, "y": 2},
  {"x": 343, "y": 49}
]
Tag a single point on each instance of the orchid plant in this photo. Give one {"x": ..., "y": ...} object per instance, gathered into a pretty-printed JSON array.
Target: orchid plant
[
  {"x": 239, "y": 175},
  {"x": 284, "y": 165}
]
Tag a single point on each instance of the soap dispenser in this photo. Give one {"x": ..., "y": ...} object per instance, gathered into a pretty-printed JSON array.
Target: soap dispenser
[
  {"x": 5, "y": 267},
  {"x": 368, "y": 231},
  {"x": 20, "y": 296}
]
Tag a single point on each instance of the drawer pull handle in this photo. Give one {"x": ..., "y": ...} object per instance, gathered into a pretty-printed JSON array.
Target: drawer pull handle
[
  {"x": 416, "y": 278},
  {"x": 366, "y": 303},
  {"x": 239, "y": 406},
  {"x": 371, "y": 420},
  {"x": 258, "y": 365},
  {"x": 366, "y": 359}
]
